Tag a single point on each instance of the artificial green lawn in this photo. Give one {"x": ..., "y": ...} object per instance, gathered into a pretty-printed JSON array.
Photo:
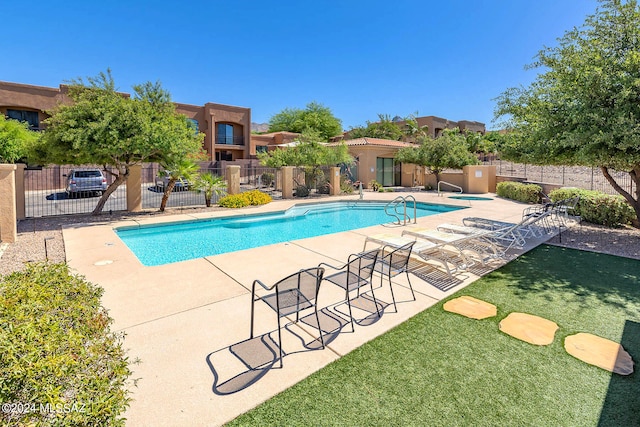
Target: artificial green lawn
[{"x": 440, "y": 368}]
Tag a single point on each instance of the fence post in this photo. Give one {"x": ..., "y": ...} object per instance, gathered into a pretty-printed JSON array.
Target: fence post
[
  {"x": 287, "y": 182},
  {"x": 232, "y": 175},
  {"x": 334, "y": 181},
  {"x": 20, "y": 191},
  {"x": 134, "y": 189},
  {"x": 8, "y": 219}
]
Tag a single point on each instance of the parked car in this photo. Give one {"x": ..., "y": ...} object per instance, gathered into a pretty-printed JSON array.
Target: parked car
[
  {"x": 85, "y": 181},
  {"x": 181, "y": 184}
]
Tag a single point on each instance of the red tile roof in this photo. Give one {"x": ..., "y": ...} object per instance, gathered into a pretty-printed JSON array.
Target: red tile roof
[{"x": 375, "y": 141}]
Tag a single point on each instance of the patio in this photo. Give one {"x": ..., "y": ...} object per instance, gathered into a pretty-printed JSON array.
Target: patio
[{"x": 181, "y": 319}]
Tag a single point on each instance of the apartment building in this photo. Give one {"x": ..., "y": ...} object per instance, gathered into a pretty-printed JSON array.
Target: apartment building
[{"x": 227, "y": 128}]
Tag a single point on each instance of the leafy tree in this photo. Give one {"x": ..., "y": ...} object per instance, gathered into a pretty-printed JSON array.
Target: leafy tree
[
  {"x": 384, "y": 128},
  {"x": 105, "y": 127},
  {"x": 15, "y": 140},
  {"x": 183, "y": 170},
  {"x": 315, "y": 117},
  {"x": 412, "y": 131},
  {"x": 210, "y": 184},
  {"x": 448, "y": 151},
  {"x": 584, "y": 108},
  {"x": 310, "y": 153}
]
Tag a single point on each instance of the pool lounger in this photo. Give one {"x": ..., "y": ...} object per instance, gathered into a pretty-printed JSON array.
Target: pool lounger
[
  {"x": 474, "y": 247},
  {"x": 452, "y": 261}
]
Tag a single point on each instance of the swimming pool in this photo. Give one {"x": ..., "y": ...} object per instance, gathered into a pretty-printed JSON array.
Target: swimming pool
[
  {"x": 470, "y": 198},
  {"x": 180, "y": 241}
]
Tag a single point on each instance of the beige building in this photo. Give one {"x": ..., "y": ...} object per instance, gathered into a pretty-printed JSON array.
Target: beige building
[{"x": 227, "y": 128}]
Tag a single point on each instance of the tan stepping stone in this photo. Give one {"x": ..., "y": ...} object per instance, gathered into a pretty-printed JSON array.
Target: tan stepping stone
[
  {"x": 600, "y": 352},
  {"x": 470, "y": 307},
  {"x": 529, "y": 328}
]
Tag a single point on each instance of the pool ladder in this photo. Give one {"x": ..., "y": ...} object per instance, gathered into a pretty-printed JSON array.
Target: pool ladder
[{"x": 397, "y": 208}]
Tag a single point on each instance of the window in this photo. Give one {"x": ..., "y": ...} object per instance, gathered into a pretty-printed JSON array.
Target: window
[
  {"x": 30, "y": 117},
  {"x": 195, "y": 125},
  {"x": 387, "y": 172},
  {"x": 224, "y": 134},
  {"x": 261, "y": 149}
]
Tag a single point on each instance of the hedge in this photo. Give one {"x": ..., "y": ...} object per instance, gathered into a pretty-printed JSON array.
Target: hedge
[
  {"x": 59, "y": 363},
  {"x": 528, "y": 193},
  {"x": 597, "y": 207}
]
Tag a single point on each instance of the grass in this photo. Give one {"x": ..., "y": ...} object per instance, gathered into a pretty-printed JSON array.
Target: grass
[{"x": 440, "y": 368}]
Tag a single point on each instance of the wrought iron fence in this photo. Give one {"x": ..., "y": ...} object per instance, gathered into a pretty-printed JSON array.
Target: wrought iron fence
[
  {"x": 589, "y": 178},
  {"x": 46, "y": 193}
]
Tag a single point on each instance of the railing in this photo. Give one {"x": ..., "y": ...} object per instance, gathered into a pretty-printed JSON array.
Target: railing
[
  {"x": 229, "y": 140},
  {"x": 401, "y": 217},
  {"x": 450, "y": 185}
]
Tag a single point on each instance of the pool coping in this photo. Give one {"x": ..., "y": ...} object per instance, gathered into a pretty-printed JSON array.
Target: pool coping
[{"x": 181, "y": 318}]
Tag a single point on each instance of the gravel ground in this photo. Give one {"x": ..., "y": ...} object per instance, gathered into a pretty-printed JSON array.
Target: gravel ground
[{"x": 42, "y": 238}]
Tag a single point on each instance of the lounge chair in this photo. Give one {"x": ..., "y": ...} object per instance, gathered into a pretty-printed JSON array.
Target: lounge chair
[
  {"x": 451, "y": 261},
  {"x": 293, "y": 294},
  {"x": 353, "y": 275},
  {"x": 474, "y": 246}
]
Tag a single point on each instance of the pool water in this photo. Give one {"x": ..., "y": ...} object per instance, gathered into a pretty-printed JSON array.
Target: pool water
[
  {"x": 180, "y": 241},
  {"x": 470, "y": 198}
]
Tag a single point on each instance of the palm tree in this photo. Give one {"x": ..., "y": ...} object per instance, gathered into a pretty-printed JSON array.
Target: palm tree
[
  {"x": 210, "y": 184},
  {"x": 180, "y": 170}
]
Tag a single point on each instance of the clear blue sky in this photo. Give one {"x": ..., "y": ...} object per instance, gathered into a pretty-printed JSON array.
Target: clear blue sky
[{"x": 447, "y": 58}]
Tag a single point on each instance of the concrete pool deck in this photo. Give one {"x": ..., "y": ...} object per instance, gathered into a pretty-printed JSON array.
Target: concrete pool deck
[{"x": 188, "y": 322}]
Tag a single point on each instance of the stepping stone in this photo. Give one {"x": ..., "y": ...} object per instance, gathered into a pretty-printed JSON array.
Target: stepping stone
[
  {"x": 529, "y": 328},
  {"x": 470, "y": 307},
  {"x": 600, "y": 352}
]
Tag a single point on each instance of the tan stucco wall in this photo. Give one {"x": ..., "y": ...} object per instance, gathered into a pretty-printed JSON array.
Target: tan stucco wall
[{"x": 367, "y": 155}]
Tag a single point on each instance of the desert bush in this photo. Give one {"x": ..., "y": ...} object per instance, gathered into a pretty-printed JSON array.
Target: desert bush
[
  {"x": 528, "y": 193},
  {"x": 267, "y": 179},
  {"x": 253, "y": 197},
  {"x": 233, "y": 201},
  {"x": 346, "y": 186},
  {"x": 302, "y": 191},
  {"x": 597, "y": 207},
  {"x": 374, "y": 185},
  {"x": 57, "y": 352}
]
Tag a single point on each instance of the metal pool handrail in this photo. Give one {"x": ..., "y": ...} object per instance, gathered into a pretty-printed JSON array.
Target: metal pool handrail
[
  {"x": 449, "y": 184},
  {"x": 396, "y": 203}
]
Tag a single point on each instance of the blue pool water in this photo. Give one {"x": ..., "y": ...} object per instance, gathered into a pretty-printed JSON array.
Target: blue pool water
[
  {"x": 180, "y": 241},
  {"x": 470, "y": 198}
]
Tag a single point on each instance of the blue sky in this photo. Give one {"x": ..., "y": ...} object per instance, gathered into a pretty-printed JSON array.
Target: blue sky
[{"x": 449, "y": 58}]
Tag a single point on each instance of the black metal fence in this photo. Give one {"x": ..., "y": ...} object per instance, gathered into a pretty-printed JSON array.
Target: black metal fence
[{"x": 589, "y": 178}]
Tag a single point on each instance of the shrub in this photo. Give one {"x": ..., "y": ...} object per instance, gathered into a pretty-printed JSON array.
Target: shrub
[
  {"x": 302, "y": 191},
  {"x": 267, "y": 179},
  {"x": 57, "y": 351},
  {"x": 233, "y": 201},
  {"x": 597, "y": 207},
  {"x": 346, "y": 186},
  {"x": 324, "y": 188},
  {"x": 374, "y": 185},
  {"x": 256, "y": 197},
  {"x": 528, "y": 193},
  {"x": 253, "y": 197}
]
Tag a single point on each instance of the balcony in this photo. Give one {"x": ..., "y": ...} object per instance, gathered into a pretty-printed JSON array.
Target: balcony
[{"x": 229, "y": 140}]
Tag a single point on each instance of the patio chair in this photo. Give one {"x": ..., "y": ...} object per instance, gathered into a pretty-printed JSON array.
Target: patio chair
[
  {"x": 503, "y": 236},
  {"x": 353, "y": 275},
  {"x": 293, "y": 294},
  {"x": 393, "y": 261},
  {"x": 566, "y": 208}
]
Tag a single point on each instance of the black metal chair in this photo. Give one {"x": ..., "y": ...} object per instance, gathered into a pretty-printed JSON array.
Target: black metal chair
[
  {"x": 392, "y": 261},
  {"x": 293, "y": 294},
  {"x": 356, "y": 273}
]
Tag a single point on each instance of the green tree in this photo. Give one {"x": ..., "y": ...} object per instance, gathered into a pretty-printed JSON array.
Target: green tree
[
  {"x": 15, "y": 140},
  {"x": 384, "y": 128},
  {"x": 412, "y": 131},
  {"x": 448, "y": 151},
  {"x": 315, "y": 117},
  {"x": 210, "y": 184},
  {"x": 310, "y": 154},
  {"x": 106, "y": 128},
  {"x": 583, "y": 109},
  {"x": 183, "y": 170}
]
